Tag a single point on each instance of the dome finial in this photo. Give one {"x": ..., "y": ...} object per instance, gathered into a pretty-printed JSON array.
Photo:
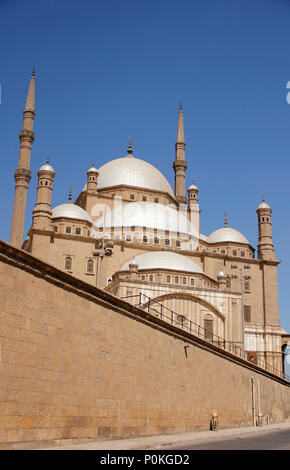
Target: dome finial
[
  {"x": 130, "y": 150},
  {"x": 180, "y": 105},
  {"x": 47, "y": 159},
  {"x": 263, "y": 198},
  {"x": 69, "y": 193},
  {"x": 226, "y": 219}
]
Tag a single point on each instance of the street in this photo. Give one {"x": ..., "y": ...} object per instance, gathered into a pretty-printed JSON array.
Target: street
[{"x": 274, "y": 440}]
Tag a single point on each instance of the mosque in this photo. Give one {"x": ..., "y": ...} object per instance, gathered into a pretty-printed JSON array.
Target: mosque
[{"x": 130, "y": 234}]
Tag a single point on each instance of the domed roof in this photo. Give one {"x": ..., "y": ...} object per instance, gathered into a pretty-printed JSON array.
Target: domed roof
[
  {"x": 227, "y": 234},
  {"x": 46, "y": 167},
  {"x": 70, "y": 211},
  {"x": 164, "y": 260},
  {"x": 131, "y": 171},
  {"x": 192, "y": 186},
  {"x": 264, "y": 205},
  {"x": 149, "y": 215},
  {"x": 93, "y": 169}
]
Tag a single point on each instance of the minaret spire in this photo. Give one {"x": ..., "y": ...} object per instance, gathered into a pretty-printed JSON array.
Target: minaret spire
[
  {"x": 180, "y": 164},
  {"x": 226, "y": 219},
  {"x": 23, "y": 174}
]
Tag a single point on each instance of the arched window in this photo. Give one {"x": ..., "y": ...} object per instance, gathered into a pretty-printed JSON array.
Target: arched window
[
  {"x": 68, "y": 263},
  {"x": 68, "y": 230},
  {"x": 151, "y": 277},
  {"x": 208, "y": 328},
  {"x": 90, "y": 266}
]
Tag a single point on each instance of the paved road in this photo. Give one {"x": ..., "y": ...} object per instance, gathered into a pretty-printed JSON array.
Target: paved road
[{"x": 274, "y": 440}]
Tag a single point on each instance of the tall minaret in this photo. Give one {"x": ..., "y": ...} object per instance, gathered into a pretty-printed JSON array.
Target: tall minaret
[
  {"x": 23, "y": 174},
  {"x": 180, "y": 164}
]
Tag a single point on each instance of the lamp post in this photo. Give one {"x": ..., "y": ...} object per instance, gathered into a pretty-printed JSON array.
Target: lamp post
[
  {"x": 104, "y": 249},
  {"x": 243, "y": 278}
]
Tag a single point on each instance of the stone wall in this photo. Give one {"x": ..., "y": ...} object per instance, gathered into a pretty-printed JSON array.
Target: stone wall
[{"x": 79, "y": 363}]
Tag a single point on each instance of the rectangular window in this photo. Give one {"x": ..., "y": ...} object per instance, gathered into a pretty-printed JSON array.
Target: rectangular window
[
  {"x": 144, "y": 198},
  {"x": 132, "y": 196},
  {"x": 55, "y": 228},
  {"x": 243, "y": 253},
  {"x": 247, "y": 314},
  {"x": 247, "y": 286},
  {"x": 178, "y": 243},
  {"x": 68, "y": 230},
  {"x": 168, "y": 279},
  {"x": 128, "y": 238},
  {"x": 145, "y": 239},
  {"x": 78, "y": 231},
  {"x": 235, "y": 252},
  {"x": 156, "y": 199},
  {"x": 156, "y": 241},
  {"x": 192, "y": 281},
  {"x": 184, "y": 281},
  {"x": 167, "y": 241},
  {"x": 208, "y": 327}
]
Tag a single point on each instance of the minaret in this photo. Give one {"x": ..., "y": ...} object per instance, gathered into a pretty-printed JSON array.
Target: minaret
[
  {"x": 193, "y": 207},
  {"x": 42, "y": 212},
  {"x": 180, "y": 164},
  {"x": 192, "y": 195},
  {"x": 23, "y": 174},
  {"x": 92, "y": 180},
  {"x": 265, "y": 246}
]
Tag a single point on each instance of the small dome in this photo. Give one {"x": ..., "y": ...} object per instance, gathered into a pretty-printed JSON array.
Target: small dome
[
  {"x": 46, "y": 167},
  {"x": 192, "y": 186},
  {"x": 221, "y": 274},
  {"x": 93, "y": 169},
  {"x": 71, "y": 211},
  {"x": 131, "y": 171},
  {"x": 164, "y": 260},
  {"x": 264, "y": 205},
  {"x": 227, "y": 234}
]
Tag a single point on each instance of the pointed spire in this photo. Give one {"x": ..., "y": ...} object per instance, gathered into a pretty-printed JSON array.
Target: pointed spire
[
  {"x": 30, "y": 101},
  {"x": 180, "y": 127},
  {"x": 130, "y": 150},
  {"x": 226, "y": 219}
]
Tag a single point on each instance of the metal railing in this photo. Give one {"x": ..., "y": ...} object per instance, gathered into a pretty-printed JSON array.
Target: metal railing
[{"x": 180, "y": 321}]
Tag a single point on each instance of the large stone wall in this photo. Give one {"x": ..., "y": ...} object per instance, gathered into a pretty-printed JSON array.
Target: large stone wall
[{"x": 78, "y": 363}]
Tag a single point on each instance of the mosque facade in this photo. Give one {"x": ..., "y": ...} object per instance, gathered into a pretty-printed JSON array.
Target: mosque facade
[{"x": 130, "y": 234}]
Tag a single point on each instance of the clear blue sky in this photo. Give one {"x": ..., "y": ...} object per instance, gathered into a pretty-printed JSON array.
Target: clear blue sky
[{"x": 114, "y": 70}]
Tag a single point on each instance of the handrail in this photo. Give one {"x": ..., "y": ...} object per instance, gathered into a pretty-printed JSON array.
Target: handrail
[{"x": 195, "y": 329}]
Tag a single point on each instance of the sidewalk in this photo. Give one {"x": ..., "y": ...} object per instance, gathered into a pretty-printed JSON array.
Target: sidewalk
[{"x": 156, "y": 442}]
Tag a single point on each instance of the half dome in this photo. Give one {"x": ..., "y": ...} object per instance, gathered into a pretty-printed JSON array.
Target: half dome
[
  {"x": 70, "y": 211},
  {"x": 163, "y": 260},
  {"x": 150, "y": 215},
  {"x": 227, "y": 234},
  {"x": 131, "y": 171}
]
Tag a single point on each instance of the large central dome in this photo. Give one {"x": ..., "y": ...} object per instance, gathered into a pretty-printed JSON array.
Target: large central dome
[{"x": 132, "y": 171}]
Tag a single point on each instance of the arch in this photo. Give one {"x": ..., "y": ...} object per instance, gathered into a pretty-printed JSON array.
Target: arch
[{"x": 194, "y": 298}]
